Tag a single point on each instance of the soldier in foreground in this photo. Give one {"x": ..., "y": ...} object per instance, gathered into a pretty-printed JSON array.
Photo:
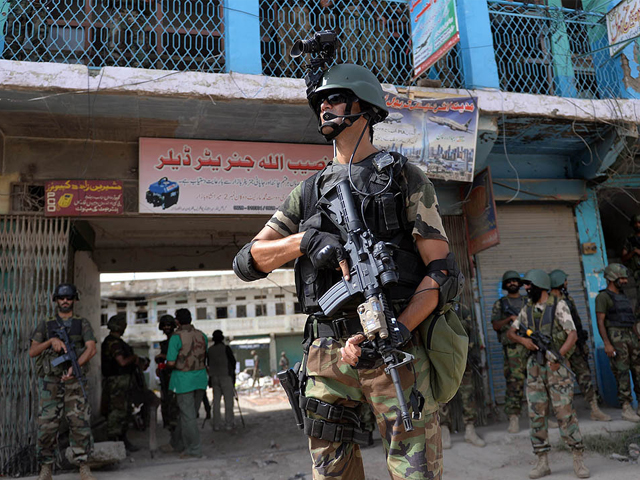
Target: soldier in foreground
[
  {"x": 616, "y": 323},
  {"x": 505, "y": 311},
  {"x": 347, "y": 101},
  {"x": 580, "y": 358},
  {"x": 59, "y": 390},
  {"x": 548, "y": 379}
]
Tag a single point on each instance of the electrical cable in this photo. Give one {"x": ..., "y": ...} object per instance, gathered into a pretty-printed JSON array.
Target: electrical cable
[{"x": 504, "y": 146}]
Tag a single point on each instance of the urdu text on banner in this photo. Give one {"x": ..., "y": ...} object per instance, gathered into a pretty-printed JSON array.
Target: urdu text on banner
[
  {"x": 623, "y": 23},
  {"x": 183, "y": 176}
]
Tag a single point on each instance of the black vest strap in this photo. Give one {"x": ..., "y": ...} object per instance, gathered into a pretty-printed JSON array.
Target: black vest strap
[
  {"x": 329, "y": 411},
  {"x": 335, "y": 432}
]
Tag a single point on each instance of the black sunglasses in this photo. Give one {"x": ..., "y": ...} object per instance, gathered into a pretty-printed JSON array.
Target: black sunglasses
[{"x": 334, "y": 99}]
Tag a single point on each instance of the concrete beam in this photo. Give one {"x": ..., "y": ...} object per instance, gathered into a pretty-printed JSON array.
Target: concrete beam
[
  {"x": 596, "y": 160},
  {"x": 504, "y": 189}
]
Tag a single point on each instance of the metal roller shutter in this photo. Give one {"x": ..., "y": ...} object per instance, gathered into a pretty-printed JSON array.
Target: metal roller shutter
[{"x": 531, "y": 236}]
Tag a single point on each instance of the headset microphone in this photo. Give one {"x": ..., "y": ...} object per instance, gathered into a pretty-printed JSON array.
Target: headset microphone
[{"x": 328, "y": 116}]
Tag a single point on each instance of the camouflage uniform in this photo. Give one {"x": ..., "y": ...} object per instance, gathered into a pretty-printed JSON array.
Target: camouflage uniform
[
  {"x": 410, "y": 455},
  {"x": 515, "y": 358},
  {"x": 543, "y": 384},
  {"x": 57, "y": 398},
  {"x": 117, "y": 385}
]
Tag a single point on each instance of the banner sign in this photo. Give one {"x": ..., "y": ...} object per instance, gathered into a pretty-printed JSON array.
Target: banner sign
[
  {"x": 480, "y": 214},
  {"x": 217, "y": 177},
  {"x": 434, "y": 31},
  {"x": 439, "y": 135},
  {"x": 78, "y": 198},
  {"x": 623, "y": 23}
]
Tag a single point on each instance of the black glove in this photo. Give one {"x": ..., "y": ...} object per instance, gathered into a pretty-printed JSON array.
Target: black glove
[
  {"x": 403, "y": 335},
  {"x": 323, "y": 249},
  {"x": 369, "y": 358}
]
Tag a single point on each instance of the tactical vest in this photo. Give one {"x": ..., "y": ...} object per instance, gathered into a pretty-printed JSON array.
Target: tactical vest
[
  {"x": 218, "y": 360},
  {"x": 110, "y": 366},
  {"x": 505, "y": 307},
  {"x": 193, "y": 351},
  {"x": 385, "y": 216},
  {"x": 620, "y": 315},
  {"x": 545, "y": 321},
  {"x": 43, "y": 361}
]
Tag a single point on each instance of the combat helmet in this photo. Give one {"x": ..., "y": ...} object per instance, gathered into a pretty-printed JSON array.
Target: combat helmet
[
  {"x": 117, "y": 323},
  {"x": 66, "y": 290},
  {"x": 558, "y": 277},
  {"x": 614, "y": 271},
  {"x": 359, "y": 81},
  {"x": 538, "y": 278},
  {"x": 510, "y": 275}
]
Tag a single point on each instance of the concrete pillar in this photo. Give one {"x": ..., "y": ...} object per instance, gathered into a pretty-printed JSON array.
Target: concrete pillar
[
  {"x": 476, "y": 45},
  {"x": 87, "y": 278},
  {"x": 242, "y": 36},
  {"x": 273, "y": 354}
]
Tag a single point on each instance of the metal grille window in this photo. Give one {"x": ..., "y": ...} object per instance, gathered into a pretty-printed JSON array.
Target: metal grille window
[
  {"x": 373, "y": 34},
  {"x": 529, "y": 41},
  {"x": 158, "y": 34}
]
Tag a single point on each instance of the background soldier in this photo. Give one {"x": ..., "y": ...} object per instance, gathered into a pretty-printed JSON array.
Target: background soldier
[
  {"x": 466, "y": 392},
  {"x": 118, "y": 365},
  {"x": 631, "y": 253},
  {"x": 169, "y": 402},
  {"x": 505, "y": 311},
  {"x": 546, "y": 380},
  {"x": 256, "y": 369},
  {"x": 60, "y": 392},
  {"x": 621, "y": 344},
  {"x": 284, "y": 361},
  {"x": 580, "y": 359},
  {"x": 222, "y": 378}
]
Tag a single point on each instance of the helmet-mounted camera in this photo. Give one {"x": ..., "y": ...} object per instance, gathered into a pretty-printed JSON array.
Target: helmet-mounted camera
[{"x": 322, "y": 48}]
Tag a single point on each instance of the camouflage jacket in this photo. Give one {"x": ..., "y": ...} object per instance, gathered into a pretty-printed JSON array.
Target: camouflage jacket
[{"x": 193, "y": 352}]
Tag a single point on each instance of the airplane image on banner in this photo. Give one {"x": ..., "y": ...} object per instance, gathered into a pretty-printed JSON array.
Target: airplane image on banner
[
  {"x": 452, "y": 124},
  {"x": 393, "y": 117}
]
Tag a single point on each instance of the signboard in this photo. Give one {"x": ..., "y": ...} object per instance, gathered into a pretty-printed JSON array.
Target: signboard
[
  {"x": 623, "y": 23},
  {"x": 438, "y": 135},
  {"x": 78, "y": 198},
  {"x": 434, "y": 31},
  {"x": 216, "y": 177},
  {"x": 480, "y": 214}
]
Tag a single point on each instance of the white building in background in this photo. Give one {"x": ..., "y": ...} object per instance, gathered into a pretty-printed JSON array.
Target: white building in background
[{"x": 262, "y": 315}]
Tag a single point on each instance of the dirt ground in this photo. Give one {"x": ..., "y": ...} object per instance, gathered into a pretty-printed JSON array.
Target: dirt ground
[{"x": 270, "y": 447}]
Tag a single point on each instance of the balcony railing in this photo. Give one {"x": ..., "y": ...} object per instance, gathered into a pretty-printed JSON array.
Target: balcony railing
[
  {"x": 157, "y": 34},
  {"x": 552, "y": 51}
]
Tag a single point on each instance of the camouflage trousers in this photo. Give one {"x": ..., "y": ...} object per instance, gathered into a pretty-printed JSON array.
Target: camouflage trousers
[
  {"x": 515, "y": 373},
  {"x": 627, "y": 360},
  {"x": 117, "y": 390},
  {"x": 544, "y": 385},
  {"x": 415, "y": 455},
  {"x": 467, "y": 396},
  {"x": 580, "y": 367},
  {"x": 59, "y": 398}
]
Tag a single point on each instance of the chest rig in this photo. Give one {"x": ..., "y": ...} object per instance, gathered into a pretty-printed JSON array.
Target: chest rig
[
  {"x": 545, "y": 322},
  {"x": 621, "y": 313}
]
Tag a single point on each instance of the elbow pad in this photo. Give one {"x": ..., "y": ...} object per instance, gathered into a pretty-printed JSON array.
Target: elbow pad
[
  {"x": 451, "y": 284},
  {"x": 243, "y": 265}
]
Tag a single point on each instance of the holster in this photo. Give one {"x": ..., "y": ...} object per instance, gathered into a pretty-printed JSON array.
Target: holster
[{"x": 291, "y": 384}]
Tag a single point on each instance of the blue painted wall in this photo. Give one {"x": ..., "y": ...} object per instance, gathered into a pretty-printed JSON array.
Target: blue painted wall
[{"x": 242, "y": 36}]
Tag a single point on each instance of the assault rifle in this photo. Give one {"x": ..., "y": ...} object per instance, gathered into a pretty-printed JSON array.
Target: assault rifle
[
  {"x": 69, "y": 356},
  {"x": 546, "y": 350},
  {"x": 372, "y": 270}
]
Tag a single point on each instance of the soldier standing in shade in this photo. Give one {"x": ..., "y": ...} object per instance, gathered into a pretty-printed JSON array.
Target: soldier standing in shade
[
  {"x": 631, "y": 253},
  {"x": 169, "y": 405},
  {"x": 505, "y": 311},
  {"x": 118, "y": 365},
  {"x": 621, "y": 343},
  {"x": 580, "y": 359},
  {"x": 59, "y": 392},
  {"x": 222, "y": 377},
  {"x": 284, "y": 361},
  {"x": 466, "y": 392},
  {"x": 549, "y": 381}
]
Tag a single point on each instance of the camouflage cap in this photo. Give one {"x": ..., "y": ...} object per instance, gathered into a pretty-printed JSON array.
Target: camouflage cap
[
  {"x": 510, "y": 274},
  {"x": 558, "y": 277},
  {"x": 538, "y": 278},
  {"x": 117, "y": 323},
  {"x": 614, "y": 271}
]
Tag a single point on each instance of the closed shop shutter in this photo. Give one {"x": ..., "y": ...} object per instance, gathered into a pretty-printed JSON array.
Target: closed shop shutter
[{"x": 531, "y": 236}]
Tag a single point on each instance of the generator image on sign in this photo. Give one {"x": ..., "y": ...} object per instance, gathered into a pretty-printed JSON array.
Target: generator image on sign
[{"x": 163, "y": 193}]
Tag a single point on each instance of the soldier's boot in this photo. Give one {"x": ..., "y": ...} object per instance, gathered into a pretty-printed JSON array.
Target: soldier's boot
[
  {"x": 579, "y": 468},
  {"x": 446, "y": 437},
  {"x": 542, "y": 467},
  {"x": 45, "y": 472},
  {"x": 470, "y": 436},
  {"x": 597, "y": 414},
  {"x": 514, "y": 424},
  {"x": 85, "y": 473},
  {"x": 628, "y": 413}
]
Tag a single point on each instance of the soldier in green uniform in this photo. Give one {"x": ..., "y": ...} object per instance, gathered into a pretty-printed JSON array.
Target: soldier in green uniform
[
  {"x": 169, "y": 402},
  {"x": 631, "y": 253},
  {"x": 59, "y": 392},
  {"x": 118, "y": 364},
  {"x": 505, "y": 310},
  {"x": 347, "y": 102},
  {"x": 616, "y": 323},
  {"x": 466, "y": 392},
  {"x": 580, "y": 359},
  {"x": 549, "y": 381}
]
